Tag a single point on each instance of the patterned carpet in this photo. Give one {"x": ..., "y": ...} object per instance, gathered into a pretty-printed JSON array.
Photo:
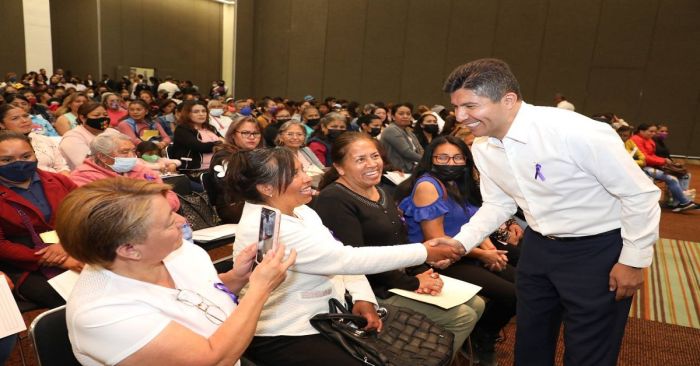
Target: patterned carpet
[{"x": 671, "y": 291}]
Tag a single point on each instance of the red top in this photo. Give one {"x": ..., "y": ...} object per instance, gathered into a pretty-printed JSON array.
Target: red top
[{"x": 648, "y": 148}]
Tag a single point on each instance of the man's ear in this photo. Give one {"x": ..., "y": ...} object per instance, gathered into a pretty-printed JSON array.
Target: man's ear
[{"x": 509, "y": 99}]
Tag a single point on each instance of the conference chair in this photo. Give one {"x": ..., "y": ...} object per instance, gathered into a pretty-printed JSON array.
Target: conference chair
[{"x": 49, "y": 333}]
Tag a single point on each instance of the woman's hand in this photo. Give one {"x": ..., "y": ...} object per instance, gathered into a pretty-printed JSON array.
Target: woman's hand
[
  {"x": 429, "y": 283},
  {"x": 72, "y": 264},
  {"x": 493, "y": 259},
  {"x": 515, "y": 233},
  {"x": 366, "y": 310},
  {"x": 273, "y": 269},
  {"x": 51, "y": 256},
  {"x": 244, "y": 262}
]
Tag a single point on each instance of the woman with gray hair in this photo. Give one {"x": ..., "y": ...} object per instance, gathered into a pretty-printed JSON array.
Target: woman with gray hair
[
  {"x": 292, "y": 135},
  {"x": 113, "y": 155}
]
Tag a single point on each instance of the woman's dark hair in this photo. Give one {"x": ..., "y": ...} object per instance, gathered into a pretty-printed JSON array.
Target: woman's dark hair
[
  {"x": 143, "y": 104},
  {"x": 186, "y": 110},
  {"x": 146, "y": 146},
  {"x": 467, "y": 188},
  {"x": 164, "y": 104},
  {"x": 12, "y": 135},
  {"x": 325, "y": 121},
  {"x": 88, "y": 107},
  {"x": 247, "y": 169},
  {"x": 4, "y": 108},
  {"x": 366, "y": 119},
  {"x": 338, "y": 151},
  {"x": 643, "y": 127},
  {"x": 396, "y": 107},
  {"x": 9, "y": 97},
  {"x": 418, "y": 129}
]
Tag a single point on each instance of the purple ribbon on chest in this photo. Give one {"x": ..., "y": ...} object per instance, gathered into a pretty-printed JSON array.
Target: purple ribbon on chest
[{"x": 538, "y": 172}]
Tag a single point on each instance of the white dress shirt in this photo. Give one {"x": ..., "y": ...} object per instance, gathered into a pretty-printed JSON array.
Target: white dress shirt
[{"x": 587, "y": 182}]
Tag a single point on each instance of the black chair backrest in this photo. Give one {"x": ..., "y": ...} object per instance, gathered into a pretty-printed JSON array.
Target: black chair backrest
[
  {"x": 209, "y": 185},
  {"x": 49, "y": 333}
]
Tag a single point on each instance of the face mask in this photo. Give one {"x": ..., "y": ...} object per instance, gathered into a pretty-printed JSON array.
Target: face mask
[
  {"x": 216, "y": 112},
  {"x": 18, "y": 171},
  {"x": 98, "y": 123},
  {"x": 246, "y": 111},
  {"x": 375, "y": 131},
  {"x": 281, "y": 121},
  {"x": 431, "y": 129},
  {"x": 661, "y": 135},
  {"x": 114, "y": 105},
  {"x": 449, "y": 172},
  {"x": 123, "y": 165},
  {"x": 272, "y": 110},
  {"x": 312, "y": 122},
  {"x": 333, "y": 134},
  {"x": 150, "y": 158}
]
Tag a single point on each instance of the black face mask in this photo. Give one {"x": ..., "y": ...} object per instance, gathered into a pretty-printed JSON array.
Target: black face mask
[
  {"x": 101, "y": 123},
  {"x": 333, "y": 134},
  {"x": 375, "y": 131},
  {"x": 431, "y": 129},
  {"x": 312, "y": 122},
  {"x": 449, "y": 172}
]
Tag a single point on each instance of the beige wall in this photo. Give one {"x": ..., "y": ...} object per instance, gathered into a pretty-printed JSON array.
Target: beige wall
[{"x": 639, "y": 59}]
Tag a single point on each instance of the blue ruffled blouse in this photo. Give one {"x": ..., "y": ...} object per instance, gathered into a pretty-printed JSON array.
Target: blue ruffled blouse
[{"x": 455, "y": 215}]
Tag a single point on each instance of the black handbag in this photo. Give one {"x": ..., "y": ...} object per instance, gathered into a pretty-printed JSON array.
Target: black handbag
[
  {"x": 408, "y": 337},
  {"x": 196, "y": 209}
]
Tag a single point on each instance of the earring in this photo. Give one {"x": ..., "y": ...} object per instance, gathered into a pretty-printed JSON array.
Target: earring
[{"x": 137, "y": 255}]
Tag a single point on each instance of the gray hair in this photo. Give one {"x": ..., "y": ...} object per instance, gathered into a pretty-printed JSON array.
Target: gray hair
[
  {"x": 285, "y": 126},
  {"x": 106, "y": 95},
  {"x": 333, "y": 116},
  {"x": 106, "y": 143}
]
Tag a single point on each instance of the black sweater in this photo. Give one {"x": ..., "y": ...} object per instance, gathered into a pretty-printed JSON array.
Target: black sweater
[
  {"x": 358, "y": 221},
  {"x": 186, "y": 145}
]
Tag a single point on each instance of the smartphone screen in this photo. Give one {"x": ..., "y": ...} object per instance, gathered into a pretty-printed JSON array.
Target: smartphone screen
[{"x": 269, "y": 231}]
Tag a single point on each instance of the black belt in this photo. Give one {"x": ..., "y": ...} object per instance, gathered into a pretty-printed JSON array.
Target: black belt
[{"x": 577, "y": 238}]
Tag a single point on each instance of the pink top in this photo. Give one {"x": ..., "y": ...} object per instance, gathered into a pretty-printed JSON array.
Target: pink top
[
  {"x": 205, "y": 135},
  {"x": 116, "y": 116},
  {"x": 88, "y": 172},
  {"x": 125, "y": 128}
]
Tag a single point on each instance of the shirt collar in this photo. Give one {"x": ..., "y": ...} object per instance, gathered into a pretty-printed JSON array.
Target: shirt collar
[{"x": 519, "y": 129}]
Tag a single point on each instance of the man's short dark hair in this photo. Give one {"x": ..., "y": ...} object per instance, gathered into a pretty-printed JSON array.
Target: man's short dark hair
[{"x": 487, "y": 77}]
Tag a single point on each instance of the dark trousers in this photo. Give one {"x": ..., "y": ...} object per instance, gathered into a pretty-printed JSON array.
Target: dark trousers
[
  {"x": 308, "y": 350},
  {"x": 568, "y": 281},
  {"x": 36, "y": 289}
]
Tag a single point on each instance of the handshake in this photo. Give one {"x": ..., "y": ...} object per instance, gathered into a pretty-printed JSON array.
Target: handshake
[{"x": 443, "y": 251}]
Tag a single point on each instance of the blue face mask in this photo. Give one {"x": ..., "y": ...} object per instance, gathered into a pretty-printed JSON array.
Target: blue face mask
[
  {"x": 123, "y": 165},
  {"x": 246, "y": 111},
  {"x": 18, "y": 171}
]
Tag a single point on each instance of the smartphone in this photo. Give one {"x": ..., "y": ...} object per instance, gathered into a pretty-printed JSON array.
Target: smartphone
[{"x": 268, "y": 234}]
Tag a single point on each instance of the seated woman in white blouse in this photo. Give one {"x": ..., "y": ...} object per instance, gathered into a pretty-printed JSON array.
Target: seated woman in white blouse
[
  {"x": 146, "y": 296},
  {"x": 324, "y": 269}
]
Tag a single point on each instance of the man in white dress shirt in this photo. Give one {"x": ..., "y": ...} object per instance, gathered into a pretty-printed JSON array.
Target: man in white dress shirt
[{"x": 593, "y": 215}]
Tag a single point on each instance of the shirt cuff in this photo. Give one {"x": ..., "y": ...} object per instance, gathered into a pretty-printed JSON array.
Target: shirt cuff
[{"x": 635, "y": 257}]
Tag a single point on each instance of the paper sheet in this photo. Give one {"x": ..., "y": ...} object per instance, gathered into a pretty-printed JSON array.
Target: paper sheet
[
  {"x": 396, "y": 177},
  {"x": 50, "y": 237},
  {"x": 64, "y": 283},
  {"x": 454, "y": 292},
  {"x": 147, "y": 135},
  {"x": 11, "y": 321},
  {"x": 214, "y": 233}
]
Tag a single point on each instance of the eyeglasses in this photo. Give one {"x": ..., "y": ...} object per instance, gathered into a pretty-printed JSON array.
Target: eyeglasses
[
  {"x": 249, "y": 134},
  {"x": 445, "y": 159},
  {"x": 213, "y": 312}
]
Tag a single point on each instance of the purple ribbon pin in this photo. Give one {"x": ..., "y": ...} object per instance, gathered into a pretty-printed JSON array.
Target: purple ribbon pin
[{"x": 538, "y": 172}]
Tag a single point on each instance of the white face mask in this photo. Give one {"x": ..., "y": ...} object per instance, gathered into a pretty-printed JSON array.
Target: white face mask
[
  {"x": 123, "y": 165},
  {"x": 216, "y": 112}
]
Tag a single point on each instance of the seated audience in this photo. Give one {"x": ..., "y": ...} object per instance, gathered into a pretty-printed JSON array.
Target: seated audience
[
  {"x": 402, "y": 146},
  {"x": 139, "y": 125},
  {"x": 29, "y": 199},
  {"x": 115, "y": 112},
  {"x": 194, "y": 141},
  {"x": 146, "y": 295},
  {"x": 654, "y": 168},
  {"x": 332, "y": 125},
  {"x": 114, "y": 155},
  {"x": 16, "y": 119},
  {"x": 281, "y": 116},
  {"x": 75, "y": 144},
  {"x": 441, "y": 195},
  {"x": 359, "y": 213},
  {"x": 242, "y": 135},
  {"x": 67, "y": 114},
  {"x": 663, "y": 151},
  {"x": 311, "y": 118},
  {"x": 40, "y": 126},
  {"x": 166, "y": 116},
  {"x": 625, "y": 132},
  {"x": 370, "y": 124},
  {"x": 292, "y": 135},
  {"x": 325, "y": 268}
]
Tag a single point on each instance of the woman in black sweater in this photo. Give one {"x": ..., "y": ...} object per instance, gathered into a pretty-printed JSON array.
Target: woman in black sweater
[{"x": 359, "y": 213}]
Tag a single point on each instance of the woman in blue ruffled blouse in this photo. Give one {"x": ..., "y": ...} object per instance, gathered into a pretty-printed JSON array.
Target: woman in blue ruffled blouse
[{"x": 441, "y": 196}]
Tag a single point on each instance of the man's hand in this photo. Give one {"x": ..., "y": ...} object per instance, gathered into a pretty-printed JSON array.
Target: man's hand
[
  {"x": 366, "y": 310},
  {"x": 625, "y": 280},
  {"x": 444, "y": 248},
  {"x": 515, "y": 233},
  {"x": 52, "y": 255}
]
